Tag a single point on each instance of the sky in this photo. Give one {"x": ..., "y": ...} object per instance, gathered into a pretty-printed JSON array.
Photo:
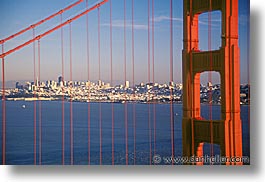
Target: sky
[{"x": 18, "y": 14}]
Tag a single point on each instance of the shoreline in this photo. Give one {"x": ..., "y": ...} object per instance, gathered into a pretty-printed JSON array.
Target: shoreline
[{"x": 105, "y": 101}]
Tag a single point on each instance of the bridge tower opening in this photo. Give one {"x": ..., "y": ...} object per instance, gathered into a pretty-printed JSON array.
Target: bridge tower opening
[{"x": 226, "y": 132}]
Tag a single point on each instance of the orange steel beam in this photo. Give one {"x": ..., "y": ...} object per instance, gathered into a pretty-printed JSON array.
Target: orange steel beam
[
  {"x": 53, "y": 29},
  {"x": 40, "y": 22}
]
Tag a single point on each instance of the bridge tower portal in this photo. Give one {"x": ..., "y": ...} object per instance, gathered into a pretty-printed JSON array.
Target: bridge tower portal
[{"x": 226, "y": 132}]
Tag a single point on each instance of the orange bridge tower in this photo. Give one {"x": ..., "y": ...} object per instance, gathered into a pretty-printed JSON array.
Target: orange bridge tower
[{"x": 226, "y": 132}]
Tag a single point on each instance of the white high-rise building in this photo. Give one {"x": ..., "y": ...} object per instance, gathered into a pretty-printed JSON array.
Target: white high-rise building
[{"x": 127, "y": 84}]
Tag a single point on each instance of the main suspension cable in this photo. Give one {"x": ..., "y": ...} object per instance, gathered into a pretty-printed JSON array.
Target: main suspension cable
[{"x": 33, "y": 26}]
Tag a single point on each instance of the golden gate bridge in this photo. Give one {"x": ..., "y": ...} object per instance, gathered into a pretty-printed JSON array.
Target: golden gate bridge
[{"x": 227, "y": 132}]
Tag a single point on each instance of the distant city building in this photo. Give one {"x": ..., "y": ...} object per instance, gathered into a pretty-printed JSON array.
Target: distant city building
[
  {"x": 88, "y": 84},
  {"x": 99, "y": 91},
  {"x": 100, "y": 83},
  {"x": 179, "y": 86},
  {"x": 148, "y": 86},
  {"x": 70, "y": 83},
  {"x": 120, "y": 86},
  {"x": 19, "y": 86},
  {"x": 34, "y": 87},
  {"x": 127, "y": 84},
  {"x": 48, "y": 83},
  {"x": 37, "y": 82},
  {"x": 42, "y": 84},
  {"x": 106, "y": 85},
  {"x": 28, "y": 86},
  {"x": 61, "y": 84},
  {"x": 60, "y": 79}
]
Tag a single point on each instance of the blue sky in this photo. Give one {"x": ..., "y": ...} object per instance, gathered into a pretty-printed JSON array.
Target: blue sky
[{"x": 17, "y": 14}]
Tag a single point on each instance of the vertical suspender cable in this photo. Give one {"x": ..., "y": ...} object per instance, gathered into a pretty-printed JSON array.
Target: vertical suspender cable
[
  {"x": 125, "y": 78},
  {"x": 99, "y": 77},
  {"x": 111, "y": 83},
  {"x": 149, "y": 80},
  {"x": 133, "y": 84},
  {"x": 191, "y": 78},
  {"x": 3, "y": 111},
  {"x": 39, "y": 102},
  {"x": 62, "y": 87},
  {"x": 34, "y": 103},
  {"x": 153, "y": 71},
  {"x": 88, "y": 97},
  {"x": 71, "y": 99},
  {"x": 172, "y": 86},
  {"x": 248, "y": 66},
  {"x": 210, "y": 74}
]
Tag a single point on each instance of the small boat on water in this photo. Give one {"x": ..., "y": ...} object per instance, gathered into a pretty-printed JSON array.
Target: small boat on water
[{"x": 23, "y": 106}]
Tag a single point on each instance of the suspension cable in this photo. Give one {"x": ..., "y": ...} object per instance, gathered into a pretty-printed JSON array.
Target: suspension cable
[
  {"x": 111, "y": 83},
  {"x": 53, "y": 29},
  {"x": 3, "y": 112},
  {"x": 62, "y": 88},
  {"x": 99, "y": 77},
  {"x": 133, "y": 84},
  {"x": 191, "y": 88},
  {"x": 149, "y": 80},
  {"x": 34, "y": 103},
  {"x": 40, "y": 22},
  {"x": 172, "y": 82},
  {"x": 88, "y": 98},
  {"x": 153, "y": 71},
  {"x": 39, "y": 105},
  {"x": 125, "y": 79},
  {"x": 210, "y": 76},
  {"x": 71, "y": 99}
]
